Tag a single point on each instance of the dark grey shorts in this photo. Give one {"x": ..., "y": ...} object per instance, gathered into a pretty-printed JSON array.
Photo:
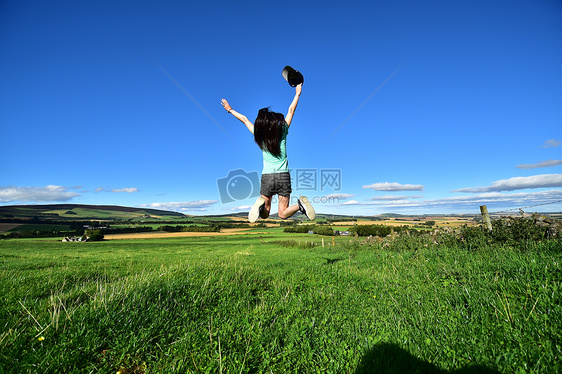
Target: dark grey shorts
[{"x": 276, "y": 184}]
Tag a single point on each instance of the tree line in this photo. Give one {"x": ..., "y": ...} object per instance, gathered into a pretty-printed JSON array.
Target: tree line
[
  {"x": 316, "y": 229},
  {"x": 357, "y": 230}
]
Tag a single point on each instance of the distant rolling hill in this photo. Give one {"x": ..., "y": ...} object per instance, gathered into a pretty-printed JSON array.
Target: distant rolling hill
[{"x": 80, "y": 212}]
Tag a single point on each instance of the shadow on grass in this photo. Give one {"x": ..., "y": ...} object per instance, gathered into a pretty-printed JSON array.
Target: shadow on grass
[
  {"x": 390, "y": 358},
  {"x": 330, "y": 261}
]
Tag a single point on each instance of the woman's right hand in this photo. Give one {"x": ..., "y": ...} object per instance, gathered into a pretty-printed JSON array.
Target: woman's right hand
[{"x": 226, "y": 105}]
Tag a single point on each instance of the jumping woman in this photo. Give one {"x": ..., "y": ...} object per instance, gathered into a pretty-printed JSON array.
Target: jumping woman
[{"x": 270, "y": 131}]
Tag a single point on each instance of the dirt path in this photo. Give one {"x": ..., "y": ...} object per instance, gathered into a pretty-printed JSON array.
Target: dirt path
[{"x": 159, "y": 235}]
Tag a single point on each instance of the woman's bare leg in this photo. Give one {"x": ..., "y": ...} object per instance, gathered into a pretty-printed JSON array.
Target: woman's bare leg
[
  {"x": 267, "y": 208},
  {"x": 260, "y": 209},
  {"x": 286, "y": 211}
]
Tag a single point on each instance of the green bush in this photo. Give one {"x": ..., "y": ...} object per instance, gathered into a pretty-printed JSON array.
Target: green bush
[
  {"x": 380, "y": 230},
  {"x": 516, "y": 230},
  {"x": 474, "y": 237},
  {"x": 300, "y": 229},
  {"x": 368, "y": 230},
  {"x": 520, "y": 232},
  {"x": 303, "y": 229},
  {"x": 94, "y": 235},
  {"x": 323, "y": 230}
]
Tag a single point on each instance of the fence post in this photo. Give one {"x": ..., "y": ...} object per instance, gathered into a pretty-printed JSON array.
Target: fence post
[{"x": 486, "y": 217}]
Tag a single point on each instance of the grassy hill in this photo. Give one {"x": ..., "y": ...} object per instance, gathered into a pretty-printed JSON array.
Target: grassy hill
[
  {"x": 72, "y": 212},
  {"x": 258, "y": 303}
]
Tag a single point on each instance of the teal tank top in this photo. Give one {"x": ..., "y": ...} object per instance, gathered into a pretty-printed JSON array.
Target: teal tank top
[{"x": 273, "y": 164}]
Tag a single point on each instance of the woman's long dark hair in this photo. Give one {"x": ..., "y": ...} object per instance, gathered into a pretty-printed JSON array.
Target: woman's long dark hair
[{"x": 268, "y": 128}]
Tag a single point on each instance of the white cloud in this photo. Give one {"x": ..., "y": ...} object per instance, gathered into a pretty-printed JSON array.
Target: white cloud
[
  {"x": 519, "y": 183},
  {"x": 543, "y": 164},
  {"x": 338, "y": 196},
  {"x": 36, "y": 194},
  {"x": 128, "y": 190},
  {"x": 386, "y": 186},
  {"x": 503, "y": 200},
  {"x": 394, "y": 198},
  {"x": 182, "y": 206},
  {"x": 243, "y": 208},
  {"x": 350, "y": 202},
  {"x": 99, "y": 189},
  {"x": 551, "y": 143},
  {"x": 468, "y": 203}
]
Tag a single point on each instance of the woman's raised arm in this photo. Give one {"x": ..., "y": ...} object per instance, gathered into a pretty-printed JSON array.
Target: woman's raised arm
[
  {"x": 293, "y": 106},
  {"x": 242, "y": 118}
]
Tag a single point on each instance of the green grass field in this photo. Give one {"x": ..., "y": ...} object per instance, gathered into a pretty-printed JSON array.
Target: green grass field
[{"x": 265, "y": 304}]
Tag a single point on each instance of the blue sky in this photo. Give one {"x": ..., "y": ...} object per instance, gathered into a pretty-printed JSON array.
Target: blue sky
[{"x": 408, "y": 107}]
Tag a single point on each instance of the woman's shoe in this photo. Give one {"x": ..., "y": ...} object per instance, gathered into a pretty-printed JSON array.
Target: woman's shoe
[
  {"x": 306, "y": 208},
  {"x": 255, "y": 211}
]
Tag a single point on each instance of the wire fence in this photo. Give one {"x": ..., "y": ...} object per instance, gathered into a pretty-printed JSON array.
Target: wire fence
[{"x": 525, "y": 207}]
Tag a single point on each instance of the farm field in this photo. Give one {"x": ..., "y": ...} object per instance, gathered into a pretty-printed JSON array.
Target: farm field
[
  {"x": 5, "y": 227},
  {"x": 441, "y": 221},
  {"x": 163, "y": 235},
  {"x": 271, "y": 302}
]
